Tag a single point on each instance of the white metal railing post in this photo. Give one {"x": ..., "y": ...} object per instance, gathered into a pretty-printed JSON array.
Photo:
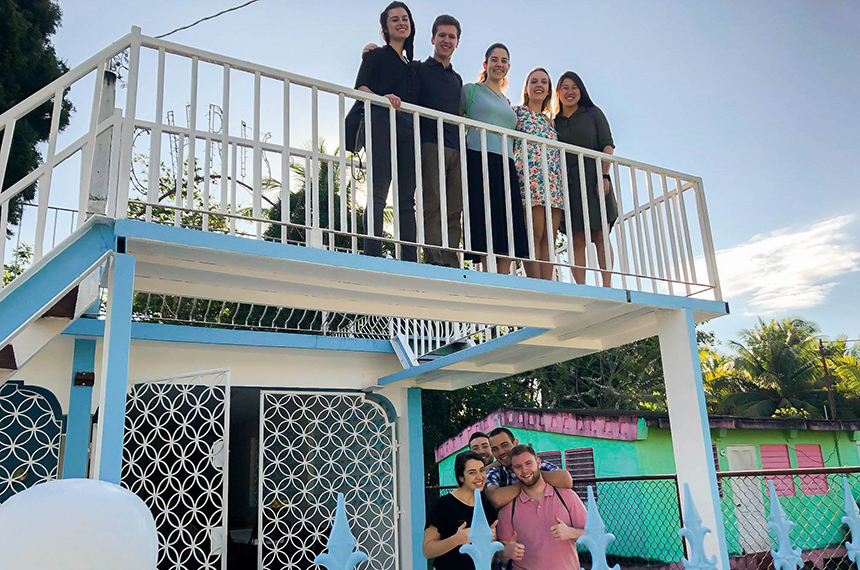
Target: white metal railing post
[
  {"x": 315, "y": 205},
  {"x": 419, "y": 180},
  {"x": 687, "y": 241},
  {"x": 488, "y": 219},
  {"x": 604, "y": 220},
  {"x": 191, "y": 182},
  {"x": 586, "y": 217},
  {"x": 707, "y": 240},
  {"x": 153, "y": 183},
  {"x": 45, "y": 183},
  {"x": 464, "y": 185},
  {"x": 395, "y": 183},
  {"x": 369, "y": 225},
  {"x": 342, "y": 188},
  {"x": 225, "y": 143},
  {"x": 619, "y": 236},
  {"x": 286, "y": 165},
  {"x": 128, "y": 125},
  {"x": 508, "y": 197},
  {"x": 443, "y": 184},
  {"x": 257, "y": 203},
  {"x": 550, "y": 235}
]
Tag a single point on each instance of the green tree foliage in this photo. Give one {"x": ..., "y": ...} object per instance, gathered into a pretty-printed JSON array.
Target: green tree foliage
[
  {"x": 777, "y": 370},
  {"x": 28, "y": 62},
  {"x": 22, "y": 256}
]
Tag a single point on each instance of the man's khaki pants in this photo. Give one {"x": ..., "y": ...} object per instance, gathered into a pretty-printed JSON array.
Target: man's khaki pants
[{"x": 432, "y": 203}]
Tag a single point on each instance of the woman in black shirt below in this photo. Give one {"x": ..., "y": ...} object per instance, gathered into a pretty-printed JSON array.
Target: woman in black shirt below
[
  {"x": 580, "y": 122},
  {"x": 388, "y": 72},
  {"x": 449, "y": 520}
]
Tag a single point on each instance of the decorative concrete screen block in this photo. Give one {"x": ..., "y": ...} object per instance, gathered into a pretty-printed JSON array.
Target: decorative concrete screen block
[
  {"x": 596, "y": 539},
  {"x": 852, "y": 519},
  {"x": 341, "y": 554},
  {"x": 174, "y": 451},
  {"x": 481, "y": 547},
  {"x": 314, "y": 445},
  {"x": 785, "y": 557},
  {"x": 30, "y": 428},
  {"x": 695, "y": 533},
  {"x": 77, "y": 524}
]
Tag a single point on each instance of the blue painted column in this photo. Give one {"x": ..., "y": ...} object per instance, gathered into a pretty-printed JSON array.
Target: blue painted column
[
  {"x": 80, "y": 410},
  {"x": 107, "y": 459},
  {"x": 689, "y": 425},
  {"x": 417, "y": 514}
]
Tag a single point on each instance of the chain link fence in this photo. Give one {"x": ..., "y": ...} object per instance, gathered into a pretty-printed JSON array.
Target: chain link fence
[
  {"x": 644, "y": 515},
  {"x": 812, "y": 499},
  {"x": 642, "y": 512}
]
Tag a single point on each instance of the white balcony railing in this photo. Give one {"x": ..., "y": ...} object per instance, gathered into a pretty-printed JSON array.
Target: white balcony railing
[{"x": 228, "y": 177}]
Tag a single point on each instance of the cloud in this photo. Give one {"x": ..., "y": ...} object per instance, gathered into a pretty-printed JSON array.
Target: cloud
[{"x": 788, "y": 270}]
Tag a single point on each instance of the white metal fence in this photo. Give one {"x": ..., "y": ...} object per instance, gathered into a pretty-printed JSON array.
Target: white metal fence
[{"x": 238, "y": 167}]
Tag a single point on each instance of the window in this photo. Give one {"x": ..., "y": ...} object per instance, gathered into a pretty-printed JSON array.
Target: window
[
  {"x": 809, "y": 457},
  {"x": 776, "y": 457},
  {"x": 580, "y": 464},
  {"x": 553, "y": 457}
]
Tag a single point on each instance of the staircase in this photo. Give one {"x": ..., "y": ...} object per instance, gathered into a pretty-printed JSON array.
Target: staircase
[{"x": 52, "y": 293}]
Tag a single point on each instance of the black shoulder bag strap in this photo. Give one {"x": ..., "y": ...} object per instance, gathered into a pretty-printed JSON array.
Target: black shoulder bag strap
[{"x": 560, "y": 498}]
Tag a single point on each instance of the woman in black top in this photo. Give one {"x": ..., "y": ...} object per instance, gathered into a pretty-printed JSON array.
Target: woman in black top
[
  {"x": 580, "y": 122},
  {"x": 449, "y": 520},
  {"x": 388, "y": 72}
]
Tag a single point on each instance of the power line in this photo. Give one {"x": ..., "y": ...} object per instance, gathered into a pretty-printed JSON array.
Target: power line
[{"x": 233, "y": 9}]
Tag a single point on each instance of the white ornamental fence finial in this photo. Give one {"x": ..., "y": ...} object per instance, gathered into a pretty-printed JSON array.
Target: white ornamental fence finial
[
  {"x": 785, "y": 557},
  {"x": 852, "y": 519},
  {"x": 695, "y": 533},
  {"x": 341, "y": 554},
  {"x": 596, "y": 538},
  {"x": 481, "y": 546}
]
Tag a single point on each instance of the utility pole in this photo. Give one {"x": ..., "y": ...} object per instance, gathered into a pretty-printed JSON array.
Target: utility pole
[{"x": 831, "y": 402}]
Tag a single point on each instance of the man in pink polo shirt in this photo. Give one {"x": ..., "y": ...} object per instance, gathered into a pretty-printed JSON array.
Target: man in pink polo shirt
[{"x": 540, "y": 527}]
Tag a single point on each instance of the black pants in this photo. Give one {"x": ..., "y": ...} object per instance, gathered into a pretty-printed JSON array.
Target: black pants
[
  {"x": 498, "y": 209},
  {"x": 381, "y": 162}
]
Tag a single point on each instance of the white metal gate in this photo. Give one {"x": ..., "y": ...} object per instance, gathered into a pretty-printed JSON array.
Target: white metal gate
[
  {"x": 312, "y": 446},
  {"x": 175, "y": 458}
]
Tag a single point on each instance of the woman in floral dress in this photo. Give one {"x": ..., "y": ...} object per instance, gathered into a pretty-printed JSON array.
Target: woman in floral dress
[{"x": 533, "y": 117}]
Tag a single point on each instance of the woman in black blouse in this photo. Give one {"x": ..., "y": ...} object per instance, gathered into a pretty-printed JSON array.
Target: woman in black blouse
[
  {"x": 390, "y": 72},
  {"x": 449, "y": 520},
  {"x": 580, "y": 122}
]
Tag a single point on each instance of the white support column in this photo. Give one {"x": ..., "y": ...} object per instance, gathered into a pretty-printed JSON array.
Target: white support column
[{"x": 688, "y": 418}]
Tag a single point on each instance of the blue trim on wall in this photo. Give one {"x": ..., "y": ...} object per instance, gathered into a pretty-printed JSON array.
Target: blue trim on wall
[
  {"x": 471, "y": 352},
  {"x": 80, "y": 417},
  {"x": 27, "y": 298},
  {"x": 417, "y": 512},
  {"x": 115, "y": 376},
  {"x": 205, "y": 335}
]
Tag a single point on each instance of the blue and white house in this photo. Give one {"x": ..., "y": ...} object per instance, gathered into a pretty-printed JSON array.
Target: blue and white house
[{"x": 237, "y": 363}]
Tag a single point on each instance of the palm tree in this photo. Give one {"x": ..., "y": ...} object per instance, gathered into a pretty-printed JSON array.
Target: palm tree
[
  {"x": 780, "y": 360},
  {"x": 297, "y": 206}
]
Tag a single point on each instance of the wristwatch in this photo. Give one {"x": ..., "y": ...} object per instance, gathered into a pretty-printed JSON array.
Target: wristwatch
[{"x": 607, "y": 177}]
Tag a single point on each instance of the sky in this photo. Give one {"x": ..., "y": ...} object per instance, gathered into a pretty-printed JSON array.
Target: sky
[{"x": 757, "y": 98}]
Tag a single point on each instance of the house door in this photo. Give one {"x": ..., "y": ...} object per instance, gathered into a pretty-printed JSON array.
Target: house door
[
  {"x": 748, "y": 496},
  {"x": 314, "y": 445},
  {"x": 174, "y": 457}
]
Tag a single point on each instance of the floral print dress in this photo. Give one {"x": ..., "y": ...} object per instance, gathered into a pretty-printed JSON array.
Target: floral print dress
[{"x": 538, "y": 124}]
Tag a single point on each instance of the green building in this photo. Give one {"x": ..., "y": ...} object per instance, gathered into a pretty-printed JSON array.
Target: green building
[{"x": 630, "y": 458}]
